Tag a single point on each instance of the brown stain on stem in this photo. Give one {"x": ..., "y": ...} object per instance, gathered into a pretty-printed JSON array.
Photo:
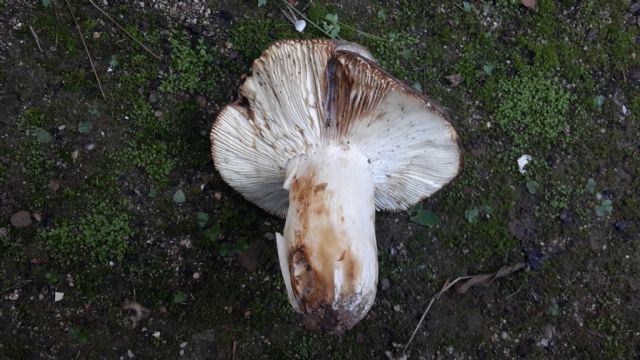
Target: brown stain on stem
[{"x": 318, "y": 246}]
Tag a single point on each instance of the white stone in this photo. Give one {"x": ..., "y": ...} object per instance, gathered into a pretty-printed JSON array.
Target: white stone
[{"x": 522, "y": 162}]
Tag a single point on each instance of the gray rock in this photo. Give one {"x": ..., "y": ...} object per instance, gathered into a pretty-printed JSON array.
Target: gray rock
[{"x": 21, "y": 219}]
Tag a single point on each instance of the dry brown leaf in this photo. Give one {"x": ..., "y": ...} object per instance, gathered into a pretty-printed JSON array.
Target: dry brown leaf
[
  {"x": 454, "y": 79},
  {"x": 531, "y": 4},
  {"x": 487, "y": 279}
]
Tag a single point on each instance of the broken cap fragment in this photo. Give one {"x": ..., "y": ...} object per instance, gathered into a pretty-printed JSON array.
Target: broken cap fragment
[{"x": 322, "y": 135}]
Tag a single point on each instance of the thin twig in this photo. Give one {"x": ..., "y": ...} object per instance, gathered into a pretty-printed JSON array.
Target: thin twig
[
  {"x": 233, "y": 350},
  {"x": 18, "y": 285},
  {"x": 86, "y": 49},
  {"x": 125, "y": 31},
  {"x": 515, "y": 293},
  {"x": 35, "y": 37},
  {"x": 447, "y": 285},
  {"x": 55, "y": 9},
  {"x": 363, "y": 33}
]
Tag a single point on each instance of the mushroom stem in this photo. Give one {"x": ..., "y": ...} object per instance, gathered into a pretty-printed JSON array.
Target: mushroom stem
[{"x": 328, "y": 255}]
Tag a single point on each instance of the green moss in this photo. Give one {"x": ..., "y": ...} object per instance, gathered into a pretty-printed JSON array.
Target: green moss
[
  {"x": 193, "y": 69},
  {"x": 135, "y": 73},
  {"x": 154, "y": 158},
  {"x": 94, "y": 239},
  {"x": 531, "y": 110},
  {"x": 74, "y": 79},
  {"x": 250, "y": 37},
  {"x": 613, "y": 329}
]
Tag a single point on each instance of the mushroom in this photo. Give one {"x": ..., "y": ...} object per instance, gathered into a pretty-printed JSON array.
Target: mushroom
[{"x": 323, "y": 136}]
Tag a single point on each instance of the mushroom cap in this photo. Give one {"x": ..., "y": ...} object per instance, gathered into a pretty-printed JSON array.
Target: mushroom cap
[{"x": 303, "y": 93}]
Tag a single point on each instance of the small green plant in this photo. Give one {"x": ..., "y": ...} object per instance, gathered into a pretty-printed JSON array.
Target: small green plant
[
  {"x": 202, "y": 219},
  {"x": 96, "y": 238},
  {"x": 531, "y": 110},
  {"x": 331, "y": 25},
  {"x": 180, "y": 298},
  {"x": 232, "y": 248},
  {"x": 474, "y": 214},
  {"x": 78, "y": 336},
  {"x": 191, "y": 69}
]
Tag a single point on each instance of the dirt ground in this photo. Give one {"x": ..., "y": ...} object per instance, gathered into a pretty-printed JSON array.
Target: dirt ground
[{"x": 119, "y": 240}]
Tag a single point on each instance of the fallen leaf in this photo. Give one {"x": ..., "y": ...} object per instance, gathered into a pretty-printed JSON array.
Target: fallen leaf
[
  {"x": 488, "y": 69},
  {"x": 85, "y": 127},
  {"x": 454, "y": 79},
  {"x": 202, "y": 219},
  {"x": 42, "y": 135},
  {"x": 530, "y": 4},
  {"x": 425, "y": 217},
  {"x": 472, "y": 215},
  {"x": 179, "y": 197},
  {"x": 533, "y": 187},
  {"x": 598, "y": 101},
  {"x": 488, "y": 279}
]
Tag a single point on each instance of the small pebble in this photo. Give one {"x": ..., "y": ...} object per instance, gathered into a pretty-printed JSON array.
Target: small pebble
[
  {"x": 54, "y": 185},
  {"x": 153, "y": 97},
  {"x": 130, "y": 354},
  {"x": 396, "y": 308},
  {"x": 62, "y": 127},
  {"x": 384, "y": 284},
  {"x": 75, "y": 154},
  {"x": 37, "y": 217},
  {"x": 196, "y": 275},
  {"x": 157, "y": 113},
  {"x": 156, "y": 334},
  {"x": 58, "y": 296},
  {"x": 90, "y": 146},
  {"x": 183, "y": 344},
  {"x": 217, "y": 195},
  {"x": 21, "y": 219},
  {"x": 13, "y": 296},
  {"x": 4, "y": 232},
  {"x": 201, "y": 101},
  {"x": 181, "y": 352},
  {"x": 96, "y": 35}
]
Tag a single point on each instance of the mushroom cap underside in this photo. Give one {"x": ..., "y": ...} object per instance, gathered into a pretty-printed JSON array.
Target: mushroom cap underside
[{"x": 305, "y": 93}]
